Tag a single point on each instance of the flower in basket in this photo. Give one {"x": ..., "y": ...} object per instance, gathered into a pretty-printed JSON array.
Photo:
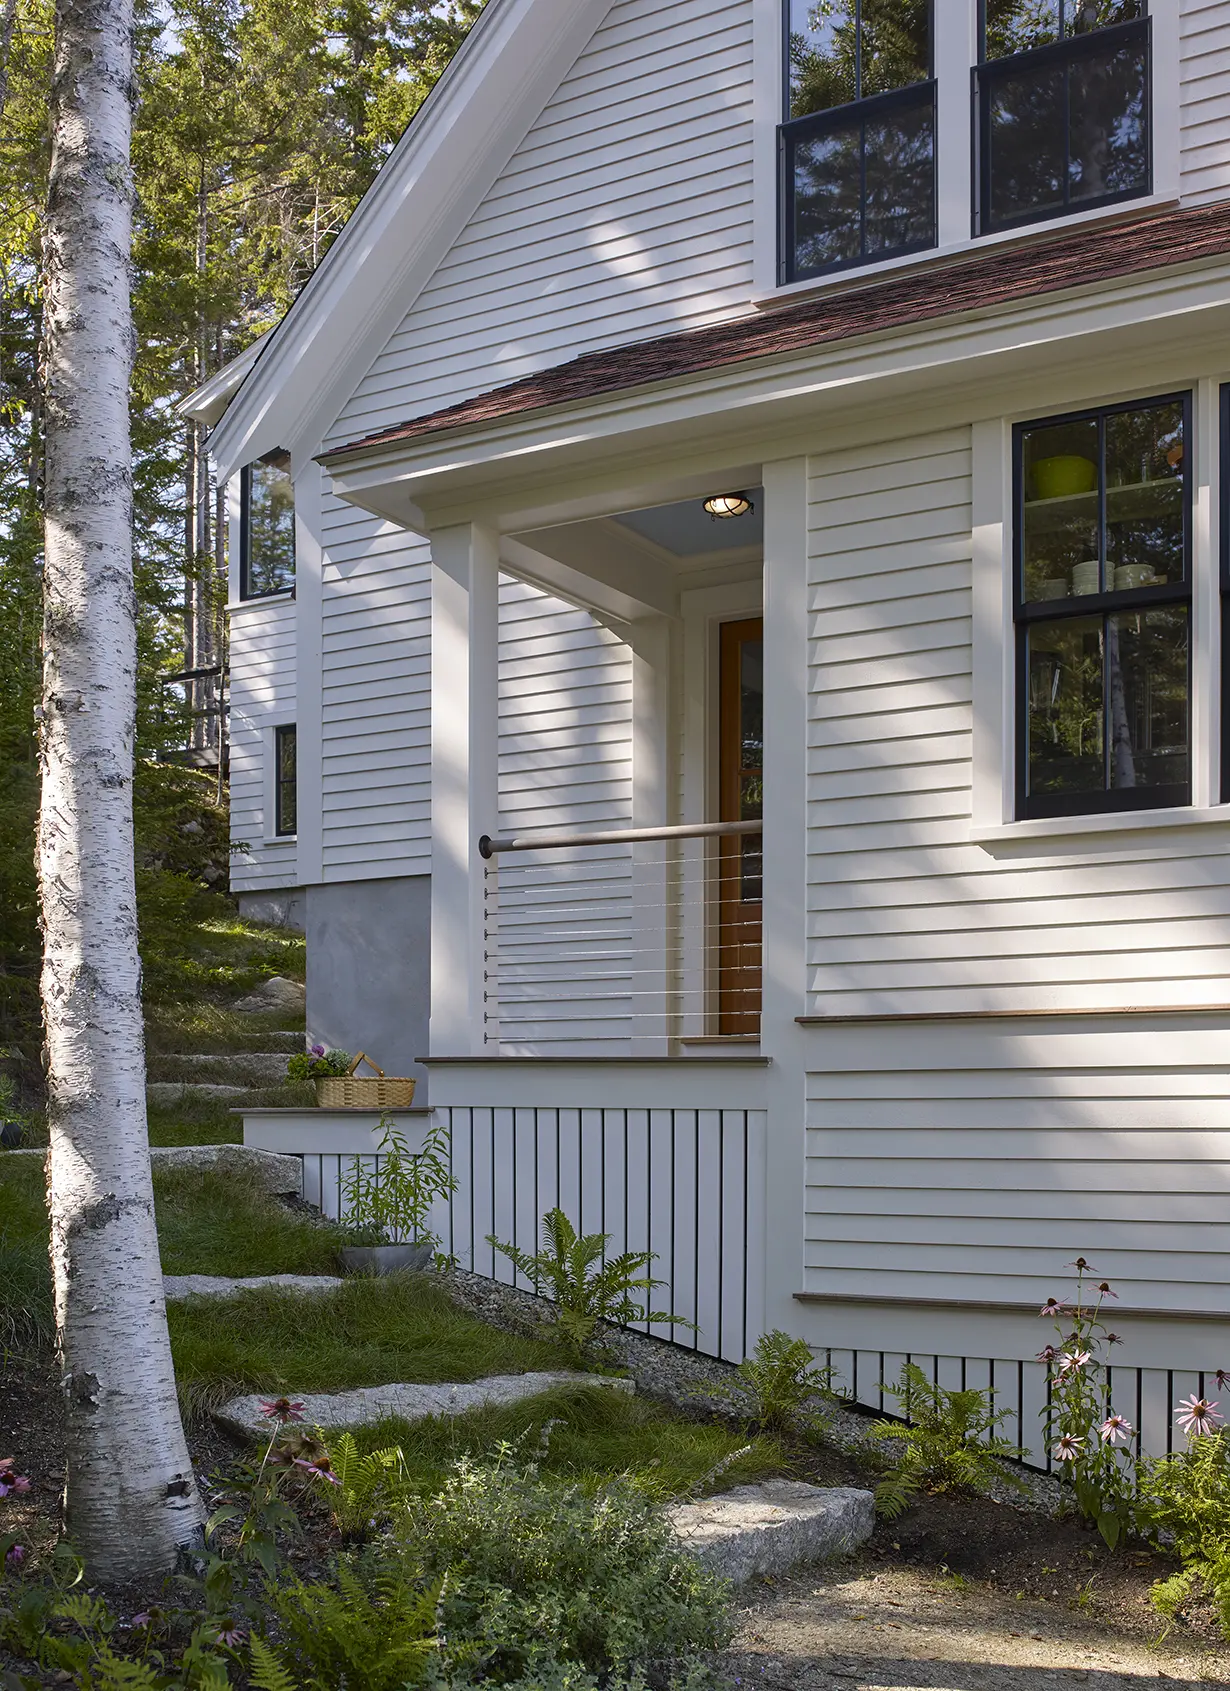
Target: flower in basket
[{"x": 317, "y": 1061}]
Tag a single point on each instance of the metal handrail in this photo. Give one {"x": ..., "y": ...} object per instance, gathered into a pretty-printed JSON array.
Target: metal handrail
[{"x": 489, "y": 846}]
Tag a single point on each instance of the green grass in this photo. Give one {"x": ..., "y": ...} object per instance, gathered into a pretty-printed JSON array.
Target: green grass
[
  {"x": 208, "y": 1223},
  {"x": 201, "y": 1025},
  {"x": 598, "y": 1434},
  {"x": 26, "y": 1316},
  {"x": 367, "y": 1333}
]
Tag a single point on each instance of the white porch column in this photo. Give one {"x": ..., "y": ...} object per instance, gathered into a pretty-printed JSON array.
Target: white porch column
[
  {"x": 655, "y": 921},
  {"x": 786, "y": 615},
  {"x": 464, "y": 794}
]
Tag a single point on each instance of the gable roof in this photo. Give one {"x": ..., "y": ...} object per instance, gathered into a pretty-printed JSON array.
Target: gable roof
[
  {"x": 1073, "y": 259},
  {"x": 497, "y": 83}
]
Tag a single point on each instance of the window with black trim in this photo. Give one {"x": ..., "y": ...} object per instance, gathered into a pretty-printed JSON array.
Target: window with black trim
[
  {"x": 1102, "y": 604},
  {"x": 858, "y": 140},
  {"x": 266, "y": 527},
  {"x": 1224, "y": 574},
  {"x": 1063, "y": 108},
  {"x": 285, "y": 797}
]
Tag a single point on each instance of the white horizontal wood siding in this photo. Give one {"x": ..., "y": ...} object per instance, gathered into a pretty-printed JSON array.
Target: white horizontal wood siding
[
  {"x": 975, "y": 1162},
  {"x": 375, "y": 698},
  {"x": 906, "y": 913},
  {"x": 262, "y": 697},
  {"x": 1204, "y": 49},
  {"x": 560, "y": 922},
  {"x": 625, "y": 212}
]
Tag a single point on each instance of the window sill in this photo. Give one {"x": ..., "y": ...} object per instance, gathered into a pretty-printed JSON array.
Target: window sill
[
  {"x": 1103, "y": 822},
  {"x": 841, "y": 281},
  {"x": 261, "y": 600}
]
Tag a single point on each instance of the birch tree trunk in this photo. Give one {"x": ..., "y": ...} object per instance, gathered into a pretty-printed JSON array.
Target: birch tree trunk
[{"x": 131, "y": 1501}]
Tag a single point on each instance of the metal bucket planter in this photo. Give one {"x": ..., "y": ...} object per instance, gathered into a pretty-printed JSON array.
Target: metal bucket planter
[{"x": 384, "y": 1259}]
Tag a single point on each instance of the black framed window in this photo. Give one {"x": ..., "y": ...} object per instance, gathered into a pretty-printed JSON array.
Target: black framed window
[
  {"x": 858, "y": 140},
  {"x": 1102, "y": 602},
  {"x": 285, "y": 797},
  {"x": 1063, "y": 106},
  {"x": 266, "y": 527}
]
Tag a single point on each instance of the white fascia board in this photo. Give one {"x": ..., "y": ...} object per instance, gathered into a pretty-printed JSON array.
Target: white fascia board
[
  {"x": 500, "y": 465},
  {"x": 467, "y": 130},
  {"x": 207, "y": 403}
]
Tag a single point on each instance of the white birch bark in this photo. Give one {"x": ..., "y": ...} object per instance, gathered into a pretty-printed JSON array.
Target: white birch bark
[{"x": 132, "y": 1505}]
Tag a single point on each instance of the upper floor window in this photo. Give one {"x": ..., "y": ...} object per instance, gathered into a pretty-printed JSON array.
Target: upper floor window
[
  {"x": 1062, "y": 107},
  {"x": 858, "y": 141},
  {"x": 267, "y": 527},
  {"x": 1102, "y": 601}
]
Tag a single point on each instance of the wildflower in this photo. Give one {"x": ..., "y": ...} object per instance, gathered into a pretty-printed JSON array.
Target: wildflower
[
  {"x": 1080, "y": 1265},
  {"x": 10, "y": 1480},
  {"x": 143, "y": 1619},
  {"x": 1069, "y": 1447},
  {"x": 16, "y": 1556},
  {"x": 282, "y": 1409},
  {"x": 1113, "y": 1339},
  {"x": 319, "y": 1470},
  {"x": 1051, "y": 1307},
  {"x": 1197, "y": 1416},
  {"x": 1116, "y": 1429},
  {"x": 1223, "y": 1379},
  {"x": 1072, "y": 1361},
  {"x": 1048, "y": 1353},
  {"x": 1106, "y": 1290},
  {"x": 232, "y": 1637},
  {"x": 294, "y": 1446},
  {"x": 317, "y": 1050}
]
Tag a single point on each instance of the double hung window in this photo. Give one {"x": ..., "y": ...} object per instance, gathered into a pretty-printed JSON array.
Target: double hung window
[
  {"x": 1063, "y": 108},
  {"x": 267, "y": 527},
  {"x": 858, "y": 143},
  {"x": 1103, "y": 609}
]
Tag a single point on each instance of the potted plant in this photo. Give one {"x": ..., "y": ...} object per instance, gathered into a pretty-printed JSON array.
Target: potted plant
[
  {"x": 385, "y": 1203},
  {"x": 317, "y": 1063}
]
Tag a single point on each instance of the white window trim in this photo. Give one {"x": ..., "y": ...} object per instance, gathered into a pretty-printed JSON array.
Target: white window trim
[
  {"x": 955, "y": 35},
  {"x": 994, "y": 638}
]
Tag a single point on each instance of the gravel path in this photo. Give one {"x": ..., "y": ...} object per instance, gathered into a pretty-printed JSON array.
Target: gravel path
[{"x": 843, "y": 1630}]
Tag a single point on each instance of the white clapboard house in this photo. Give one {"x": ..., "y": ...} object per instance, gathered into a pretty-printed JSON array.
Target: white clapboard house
[{"x": 728, "y": 567}]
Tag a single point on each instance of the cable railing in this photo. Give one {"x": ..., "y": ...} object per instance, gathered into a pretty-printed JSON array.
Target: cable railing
[{"x": 640, "y": 941}]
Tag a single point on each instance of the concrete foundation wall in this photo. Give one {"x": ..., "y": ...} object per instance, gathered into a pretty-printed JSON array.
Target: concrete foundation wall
[
  {"x": 368, "y": 970},
  {"x": 284, "y": 908}
]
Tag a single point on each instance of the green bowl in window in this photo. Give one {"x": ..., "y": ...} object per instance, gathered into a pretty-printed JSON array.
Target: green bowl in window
[{"x": 1056, "y": 478}]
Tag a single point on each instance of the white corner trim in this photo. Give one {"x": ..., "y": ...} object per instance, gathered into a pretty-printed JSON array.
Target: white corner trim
[
  {"x": 512, "y": 62},
  {"x": 768, "y": 97},
  {"x": 309, "y": 660},
  {"x": 955, "y": 52},
  {"x": 1167, "y": 94},
  {"x": 994, "y": 661}
]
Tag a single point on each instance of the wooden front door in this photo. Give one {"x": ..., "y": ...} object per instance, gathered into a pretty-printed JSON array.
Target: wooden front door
[{"x": 740, "y": 758}]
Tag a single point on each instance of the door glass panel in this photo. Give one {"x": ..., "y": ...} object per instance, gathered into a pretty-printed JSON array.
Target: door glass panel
[{"x": 751, "y": 767}]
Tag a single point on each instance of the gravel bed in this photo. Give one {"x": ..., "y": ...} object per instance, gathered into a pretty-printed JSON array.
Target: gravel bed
[{"x": 679, "y": 1376}]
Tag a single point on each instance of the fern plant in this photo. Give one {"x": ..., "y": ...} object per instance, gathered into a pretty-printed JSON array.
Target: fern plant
[
  {"x": 949, "y": 1442},
  {"x": 370, "y": 1631},
  {"x": 585, "y": 1288},
  {"x": 775, "y": 1384},
  {"x": 365, "y": 1487},
  {"x": 1184, "y": 1498}
]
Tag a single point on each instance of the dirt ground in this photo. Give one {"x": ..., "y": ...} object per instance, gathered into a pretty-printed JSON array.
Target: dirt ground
[{"x": 959, "y": 1594}]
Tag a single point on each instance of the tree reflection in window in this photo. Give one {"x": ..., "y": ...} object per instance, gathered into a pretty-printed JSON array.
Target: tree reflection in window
[{"x": 267, "y": 527}]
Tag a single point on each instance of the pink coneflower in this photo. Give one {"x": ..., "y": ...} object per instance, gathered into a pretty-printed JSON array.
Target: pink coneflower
[
  {"x": 282, "y": 1409},
  {"x": 1113, "y": 1339},
  {"x": 1048, "y": 1353},
  {"x": 1080, "y": 1265},
  {"x": 319, "y": 1470},
  {"x": 233, "y": 1637},
  {"x": 10, "y": 1480},
  {"x": 1223, "y": 1379},
  {"x": 15, "y": 1557},
  {"x": 143, "y": 1619},
  {"x": 1051, "y": 1307},
  {"x": 1106, "y": 1290},
  {"x": 1197, "y": 1416},
  {"x": 1072, "y": 1361},
  {"x": 1068, "y": 1447},
  {"x": 1116, "y": 1429}
]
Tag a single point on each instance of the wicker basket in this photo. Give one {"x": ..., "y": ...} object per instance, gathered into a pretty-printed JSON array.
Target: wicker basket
[{"x": 364, "y": 1092}]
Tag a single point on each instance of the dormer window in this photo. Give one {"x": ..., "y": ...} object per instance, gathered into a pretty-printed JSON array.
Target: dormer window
[
  {"x": 1063, "y": 108},
  {"x": 267, "y": 527},
  {"x": 858, "y": 143}
]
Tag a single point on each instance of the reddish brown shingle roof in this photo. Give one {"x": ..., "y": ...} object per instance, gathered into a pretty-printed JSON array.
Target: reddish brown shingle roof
[{"x": 1068, "y": 260}]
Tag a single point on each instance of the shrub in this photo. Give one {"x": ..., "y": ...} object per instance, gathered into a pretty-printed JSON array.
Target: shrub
[
  {"x": 1184, "y": 1500},
  {"x": 389, "y": 1202},
  {"x": 950, "y": 1445},
  {"x": 775, "y": 1384},
  {"x": 586, "y": 1289},
  {"x": 552, "y": 1585}
]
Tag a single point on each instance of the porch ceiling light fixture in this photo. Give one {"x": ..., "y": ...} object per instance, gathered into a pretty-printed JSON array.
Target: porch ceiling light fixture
[{"x": 728, "y": 505}]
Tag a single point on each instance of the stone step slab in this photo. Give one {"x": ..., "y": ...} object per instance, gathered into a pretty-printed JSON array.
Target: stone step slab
[
  {"x": 277, "y": 993},
  {"x": 366, "y": 1405},
  {"x": 179, "y": 1286},
  {"x": 166, "y": 1092},
  {"x": 241, "y": 1068},
  {"x": 768, "y": 1528},
  {"x": 269, "y": 1171}
]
